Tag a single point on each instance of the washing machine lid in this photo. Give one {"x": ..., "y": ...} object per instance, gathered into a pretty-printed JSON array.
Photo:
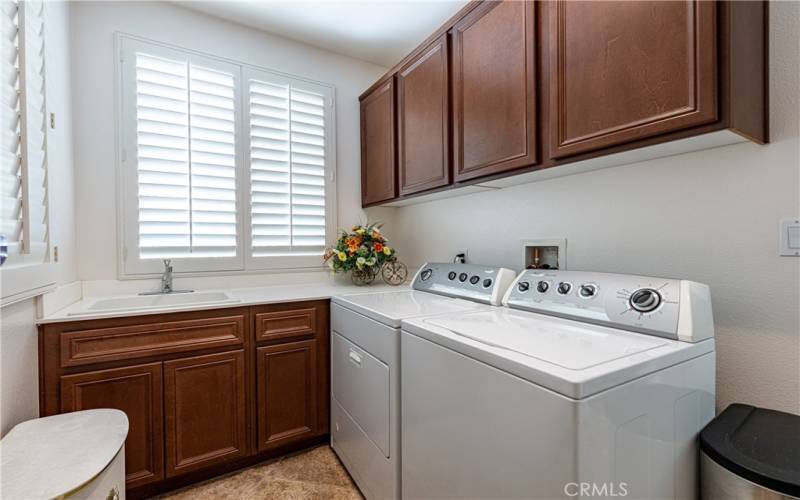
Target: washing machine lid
[
  {"x": 391, "y": 307},
  {"x": 570, "y": 345},
  {"x": 573, "y": 358}
]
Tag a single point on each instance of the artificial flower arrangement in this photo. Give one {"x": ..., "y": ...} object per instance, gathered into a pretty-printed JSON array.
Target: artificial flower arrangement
[{"x": 364, "y": 249}]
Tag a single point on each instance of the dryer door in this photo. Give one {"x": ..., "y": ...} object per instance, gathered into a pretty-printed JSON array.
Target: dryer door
[{"x": 360, "y": 383}]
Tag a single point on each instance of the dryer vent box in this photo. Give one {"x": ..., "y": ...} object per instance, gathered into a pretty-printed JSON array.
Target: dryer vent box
[{"x": 545, "y": 254}]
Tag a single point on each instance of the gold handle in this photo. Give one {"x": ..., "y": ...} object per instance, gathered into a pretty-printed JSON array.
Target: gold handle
[{"x": 113, "y": 494}]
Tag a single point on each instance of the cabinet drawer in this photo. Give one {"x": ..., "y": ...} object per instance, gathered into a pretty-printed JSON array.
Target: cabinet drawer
[
  {"x": 82, "y": 347},
  {"x": 289, "y": 321}
]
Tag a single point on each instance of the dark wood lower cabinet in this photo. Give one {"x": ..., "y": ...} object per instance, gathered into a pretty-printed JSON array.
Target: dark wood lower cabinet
[
  {"x": 136, "y": 390},
  {"x": 287, "y": 393},
  {"x": 205, "y": 392},
  {"x": 205, "y": 410}
]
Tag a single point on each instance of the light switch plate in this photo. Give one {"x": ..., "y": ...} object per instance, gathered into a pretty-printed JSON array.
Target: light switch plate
[{"x": 790, "y": 238}]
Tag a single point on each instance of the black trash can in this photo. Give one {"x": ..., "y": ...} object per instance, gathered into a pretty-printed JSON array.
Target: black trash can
[{"x": 750, "y": 453}]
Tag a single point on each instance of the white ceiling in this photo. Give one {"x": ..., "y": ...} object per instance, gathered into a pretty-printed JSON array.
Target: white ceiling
[{"x": 378, "y": 31}]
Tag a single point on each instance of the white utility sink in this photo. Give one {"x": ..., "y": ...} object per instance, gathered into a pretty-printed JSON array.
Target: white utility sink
[{"x": 165, "y": 301}]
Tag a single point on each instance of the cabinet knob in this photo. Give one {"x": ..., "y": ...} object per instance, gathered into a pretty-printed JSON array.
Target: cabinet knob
[{"x": 113, "y": 494}]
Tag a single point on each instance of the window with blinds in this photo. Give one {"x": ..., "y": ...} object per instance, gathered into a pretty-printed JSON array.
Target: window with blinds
[
  {"x": 287, "y": 167},
  {"x": 23, "y": 147},
  {"x": 186, "y": 159},
  {"x": 196, "y": 151}
]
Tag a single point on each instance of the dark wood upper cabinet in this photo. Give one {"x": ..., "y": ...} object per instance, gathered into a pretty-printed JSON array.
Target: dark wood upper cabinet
[
  {"x": 205, "y": 410},
  {"x": 378, "y": 161},
  {"x": 494, "y": 89},
  {"x": 423, "y": 120},
  {"x": 288, "y": 391},
  {"x": 536, "y": 85},
  {"x": 626, "y": 70},
  {"x": 136, "y": 390}
]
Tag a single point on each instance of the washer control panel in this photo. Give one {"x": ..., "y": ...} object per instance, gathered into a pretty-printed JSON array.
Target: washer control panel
[
  {"x": 637, "y": 303},
  {"x": 466, "y": 281}
]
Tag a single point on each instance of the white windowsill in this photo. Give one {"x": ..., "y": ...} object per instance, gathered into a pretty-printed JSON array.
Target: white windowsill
[{"x": 23, "y": 282}]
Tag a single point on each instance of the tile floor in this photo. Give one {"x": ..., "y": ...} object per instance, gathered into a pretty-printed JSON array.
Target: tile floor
[{"x": 314, "y": 474}]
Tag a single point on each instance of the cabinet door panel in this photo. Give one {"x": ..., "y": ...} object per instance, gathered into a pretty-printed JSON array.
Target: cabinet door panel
[
  {"x": 205, "y": 409},
  {"x": 494, "y": 89},
  {"x": 136, "y": 390},
  {"x": 287, "y": 393},
  {"x": 378, "y": 166},
  {"x": 621, "y": 71},
  {"x": 423, "y": 131}
]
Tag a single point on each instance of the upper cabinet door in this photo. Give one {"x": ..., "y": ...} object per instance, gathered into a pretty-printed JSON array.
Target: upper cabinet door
[
  {"x": 423, "y": 131},
  {"x": 494, "y": 89},
  {"x": 622, "y": 71},
  {"x": 377, "y": 145}
]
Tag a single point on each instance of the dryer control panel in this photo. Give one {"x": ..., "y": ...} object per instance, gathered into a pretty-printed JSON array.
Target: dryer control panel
[
  {"x": 676, "y": 309},
  {"x": 482, "y": 284}
]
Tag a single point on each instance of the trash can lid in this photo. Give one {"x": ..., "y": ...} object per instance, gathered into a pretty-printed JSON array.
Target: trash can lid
[{"x": 760, "y": 445}]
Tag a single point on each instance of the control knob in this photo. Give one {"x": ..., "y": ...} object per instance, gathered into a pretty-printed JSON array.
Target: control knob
[
  {"x": 542, "y": 286},
  {"x": 426, "y": 274},
  {"x": 587, "y": 291},
  {"x": 474, "y": 280},
  {"x": 451, "y": 275},
  {"x": 523, "y": 286},
  {"x": 645, "y": 300},
  {"x": 564, "y": 288},
  {"x": 487, "y": 282},
  {"x": 463, "y": 277}
]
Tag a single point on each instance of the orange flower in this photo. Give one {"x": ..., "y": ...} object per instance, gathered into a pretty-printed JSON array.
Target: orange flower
[
  {"x": 378, "y": 247},
  {"x": 353, "y": 243}
]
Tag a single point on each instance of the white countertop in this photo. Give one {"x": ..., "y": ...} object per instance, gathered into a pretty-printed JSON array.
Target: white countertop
[
  {"x": 80, "y": 311},
  {"x": 52, "y": 456}
]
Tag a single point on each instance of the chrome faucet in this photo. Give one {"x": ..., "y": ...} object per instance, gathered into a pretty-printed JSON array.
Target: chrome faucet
[
  {"x": 166, "y": 278},
  {"x": 166, "y": 281}
]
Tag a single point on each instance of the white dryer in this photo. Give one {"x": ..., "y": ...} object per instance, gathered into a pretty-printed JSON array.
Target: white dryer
[
  {"x": 365, "y": 362},
  {"x": 587, "y": 385}
]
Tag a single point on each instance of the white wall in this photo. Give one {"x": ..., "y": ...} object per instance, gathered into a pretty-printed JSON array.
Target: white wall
[
  {"x": 94, "y": 25},
  {"x": 19, "y": 387},
  {"x": 709, "y": 216}
]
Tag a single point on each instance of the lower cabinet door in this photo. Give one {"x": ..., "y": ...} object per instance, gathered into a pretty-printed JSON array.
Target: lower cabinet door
[
  {"x": 287, "y": 393},
  {"x": 205, "y": 410},
  {"x": 136, "y": 390}
]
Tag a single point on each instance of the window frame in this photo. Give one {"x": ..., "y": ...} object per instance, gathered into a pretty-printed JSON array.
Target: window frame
[{"x": 130, "y": 265}]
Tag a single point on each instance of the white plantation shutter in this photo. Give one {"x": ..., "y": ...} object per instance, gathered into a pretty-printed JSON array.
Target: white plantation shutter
[
  {"x": 23, "y": 148},
  {"x": 34, "y": 130},
  {"x": 10, "y": 153},
  {"x": 24, "y": 144},
  {"x": 188, "y": 168},
  {"x": 213, "y": 130},
  {"x": 183, "y": 132},
  {"x": 289, "y": 126},
  {"x": 162, "y": 154}
]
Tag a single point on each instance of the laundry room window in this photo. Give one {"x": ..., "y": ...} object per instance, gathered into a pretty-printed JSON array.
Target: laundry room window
[
  {"x": 225, "y": 167},
  {"x": 24, "y": 220}
]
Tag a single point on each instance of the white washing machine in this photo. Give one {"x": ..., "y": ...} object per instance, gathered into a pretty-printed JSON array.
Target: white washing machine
[
  {"x": 586, "y": 385},
  {"x": 365, "y": 363}
]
